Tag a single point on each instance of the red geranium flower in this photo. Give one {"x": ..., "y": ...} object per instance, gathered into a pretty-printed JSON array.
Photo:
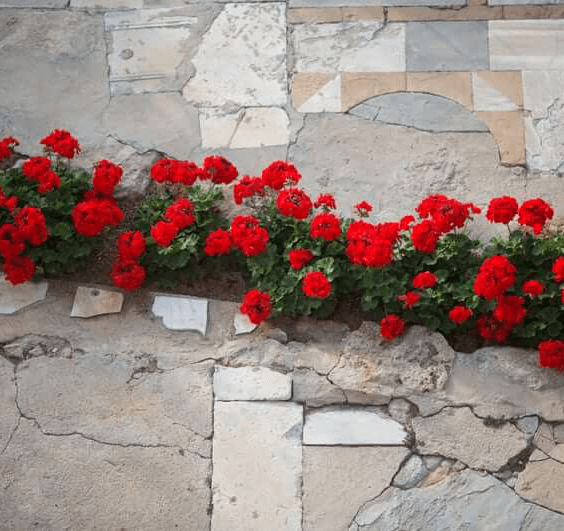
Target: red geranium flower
[
  {"x": 6, "y": 147},
  {"x": 423, "y": 280},
  {"x": 219, "y": 170},
  {"x": 425, "y": 236},
  {"x": 392, "y": 326},
  {"x": 490, "y": 329},
  {"x": 532, "y": 287},
  {"x": 248, "y": 235},
  {"x": 185, "y": 172},
  {"x": 406, "y": 222},
  {"x": 91, "y": 216},
  {"x": 510, "y": 310},
  {"x": 247, "y": 187},
  {"x": 326, "y": 201},
  {"x": 551, "y": 354},
  {"x": 299, "y": 258},
  {"x": 294, "y": 202},
  {"x": 326, "y": 226},
  {"x": 279, "y": 173},
  {"x": 256, "y": 304},
  {"x": 460, "y": 314},
  {"x": 558, "y": 269},
  {"x": 316, "y": 285},
  {"x": 128, "y": 275},
  {"x": 10, "y": 203},
  {"x": 164, "y": 233},
  {"x": 218, "y": 243},
  {"x": 19, "y": 269},
  {"x": 62, "y": 143},
  {"x": 378, "y": 254},
  {"x": 496, "y": 276},
  {"x": 163, "y": 171},
  {"x": 502, "y": 209},
  {"x": 11, "y": 241},
  {"x": 48, "y": 181},
  {"x": 388, "y": 231},
  {"x": 32, "y": 225},
  {"x": 363, "y": 209},
  {"x": 535, "y": 213},
  {"x": 409, "y": 299},
  {"x": 367, "y": 245},
  {"x": 107, "y": 175},
  {"x": 180, "y": 213},
  {"x": 446, "y": 213},
  {"x": 35, "y": 167},
  {"x": 562, "y": 296},
  {"x": 131, "y": 245}
]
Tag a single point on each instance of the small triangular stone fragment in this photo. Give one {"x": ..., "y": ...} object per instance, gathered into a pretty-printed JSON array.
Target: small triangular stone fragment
[
  {"x": 89, "y": 302},
  {"x": 242, "y": 324}
]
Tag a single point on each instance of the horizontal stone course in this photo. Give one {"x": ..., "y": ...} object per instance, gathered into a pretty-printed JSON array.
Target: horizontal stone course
[
  {"x": 251, "y": 383},
  {"x": 355, "y": 3}
]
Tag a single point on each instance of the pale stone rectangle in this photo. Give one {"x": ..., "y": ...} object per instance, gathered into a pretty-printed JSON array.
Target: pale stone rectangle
[
  {"x": 352, "y": 427},
  {"x": 14, "y": 298},
  {"x": 349, "y": 47},
  {"x": 34, "y": 3},
  {"x": 456, "y": 86},
  {"x": 251, "y": 383},
  {"x": 541, "y": 90},
  {"x": 182, "y": 313},
  {"x": 526, "y": 44},
  {"x": 107, "y": 4},
  {"x": 407, "y": 14},
  {"x": 89, "y": 302},
  {"x": 361, "y": 3},
  {"x": 257, "y": 466},
  {"x": 497, "y": 91},
  {"x": 523, "y": 2}
]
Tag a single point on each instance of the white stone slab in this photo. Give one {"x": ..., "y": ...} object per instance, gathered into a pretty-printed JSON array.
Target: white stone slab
[
  {"x": 242, "y": 324},
  {"x": 182, "y": 313},
  {"x": 326, "y": 99},
  {"x": 14, "y": 298},
  {"x": 541, "y": 90},
  {"x": 523, "y": 2},
  {"x": 89, "y": 302},
  {"x": 349, "y": 47},
  {"x": 488, "y": 97},
  {"x": 251, "y": 383},
  {"x": 352, "y": 426},
  {"x": 526, "y": 44},
  {"x": 257, "y": 466},
  {"x": 107, "y": 4},
  {"x": 242, "y": 58}
]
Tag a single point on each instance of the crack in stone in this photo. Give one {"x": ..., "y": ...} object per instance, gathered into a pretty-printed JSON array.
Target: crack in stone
[{"x": 11, "y": 435}]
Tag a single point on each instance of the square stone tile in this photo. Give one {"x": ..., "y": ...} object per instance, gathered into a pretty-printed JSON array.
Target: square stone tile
[
  {"x": 497, "y": 91},
  {"x": 358, "y": 87},
  {"x": 450, "y": 46},
  {"x": 456, "y": 86}
]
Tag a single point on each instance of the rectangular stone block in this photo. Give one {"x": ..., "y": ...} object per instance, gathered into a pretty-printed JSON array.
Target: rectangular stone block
[
  {"x": 357, "y": 88},
  {"x": 523, "y": 2},
  {"x": 497, "y": 91},
  {"x": 407, "y": 14},
  {"x": 455, "y": 86},
  {"x": 251, "y": 383},
  {"x": 533, "y": 12},
  {"x": 257, "y": 458},
  {"x": 357, "y": 3},
  {"x": 508, "y": 129},
  {"x": 526, "y": 44},
  {"x": 34, "y": 3},
  {"x": 440, "y": 46}
]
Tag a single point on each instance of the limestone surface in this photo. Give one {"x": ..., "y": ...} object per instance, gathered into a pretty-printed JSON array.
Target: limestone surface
[
  {"x": 9, "y": 414},
  {"x": 14, "y": 298},
  {"x": 315, "y": 390},
  {"x": 251, "y": 383}
]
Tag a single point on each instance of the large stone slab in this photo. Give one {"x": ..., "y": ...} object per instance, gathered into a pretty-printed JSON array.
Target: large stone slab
[
  {"x": 150, "y": 49},
  {"x": 241, "y": 60},
  {"x": 467, "y": 501},
  {"x": 75, "y": 483},
  {"x": 352, "y": 427},
  {"x": 421, "y": 111},
  {"x": 457, "y": 433},
  {"x": 14, "y": 298},
  {"x": 526, "y": 44},
  {"x": 257, "y": 469},
  {"x": 119, "y": 400},
  {"x": 336, "y": 481},
  {"x": 348, "y": 47},
  {"x": 89, "y": 302},
  {"x": 64, "y": 83},
  {"x": 251, "y": 383},
  {"x": 455, "y": 46}
]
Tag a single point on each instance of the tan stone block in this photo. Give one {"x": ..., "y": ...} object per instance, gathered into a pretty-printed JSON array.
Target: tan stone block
[
  {"x": 479, "y": 12},
  {"x": 456, "y": 86},
  {"x": 313, "y": 14},
  {"x": 508, "y": 130},
  {"x": 304, "y": 86},
  {"x": 507, "y": 83},
  {"x": 357, "y": 87},
  {"x": 533, "y": 12},
  {"x": 352, "y": 14}
]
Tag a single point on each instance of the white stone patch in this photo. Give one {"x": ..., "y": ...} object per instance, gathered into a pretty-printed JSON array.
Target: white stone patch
[
  {"x": 251, "y": 383},
  {"x": 541, "y": 89},
  {"x": 182, "y": 313},
  {"x": 89, "y": 302},
  {"x": 14, "y": 298},
  {"x": 326, "y": 99},
  {"x": 352, "y": 426},
  {"x": 242, "y": 324},
  {"x": 349, "y": 47},
  {"x": 148, "y": 46},
  {"x": 257, "y": 466},
  {"x": 489, "y": 98},
  {"x": 242, "y": 58},
  {"x": 108, "y": 4},
  {"x": 526, "y": 44}
]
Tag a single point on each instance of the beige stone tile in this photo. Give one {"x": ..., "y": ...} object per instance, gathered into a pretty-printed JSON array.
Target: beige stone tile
[
  {"x": 357, "y": 87},
  {"x": 304, "y": 86},
  {"x": 312, "y": 14},
  {"x": 532, "y": 12},
  {"x": 508, "y": 130},
  {"x": 407, "y": 14},
  {"x": 456, "y": 86},
  {"x": 497, "y": 91},
  {"x": 351, "y": 14}
]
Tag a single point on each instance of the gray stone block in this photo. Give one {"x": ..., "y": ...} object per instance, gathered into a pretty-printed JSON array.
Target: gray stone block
[
  {"x": 34, "y": 3},
  {"x": 523, "y": 2},
  {"x": 447, "y": 46},
  {"x": 361, "y": 3}
]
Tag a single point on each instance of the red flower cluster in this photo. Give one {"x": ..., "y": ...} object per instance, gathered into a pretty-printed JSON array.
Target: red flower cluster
[
  {"x": 39, "y": 169},
  {"x": 496, "y": 276},
  {"x": 32, "y": 225},
  {"x": 316, "y": 285},
  {"x": 490, "y": 329},
  {"x": 299, "y": 258},
  {"x": 280, "y": 173},
  {"x": 294, "y": 202},
  {"x": 532, "y": 288},
  {"x": 535, "y": 213},
  {"x": 127, "y": 273},
  {"x": 219, "y": 170},
  {"x": 558, "y": 269},
  {"x": 392, "y": 326},
  {"x": 176, "y": 172},
  {"x": 551, "y": 354},
  {"x": 425, "y": 236},
  {"x": 327, "y": 201},
  {"x": 248, "y": 236},
  {"x": 6, "y": 147},
  {"x": 368, "y": 245},
  {"x": 446, "y": 213},
  {"x": 9, "y": 203},
  {"x": 326, "y": 226},
  {"x": 406, "y": 222},
  {"x": 61, "y": 142},
  {"x": 510, "y": 310},
  {"x": 92, "y": 215},
  {"x": 180, "y": 213},
  {"x": 363, "y": 209},
  {"x": 131, "y": 245},
  {"x": 424, "y": 280},
  {"x": 19, "y": 269},
  {"x": 164, "y": 233},
  {"x": 409, "y": 299},
  {"x": 460, "y": 314},
  {"x": 218, "y": 243},
  {"x": 107, "y": 176},
  {"x": 256, "y": 305},
  {"x": 247, "y": 187},
  {"x": 502, "y": 209}
]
